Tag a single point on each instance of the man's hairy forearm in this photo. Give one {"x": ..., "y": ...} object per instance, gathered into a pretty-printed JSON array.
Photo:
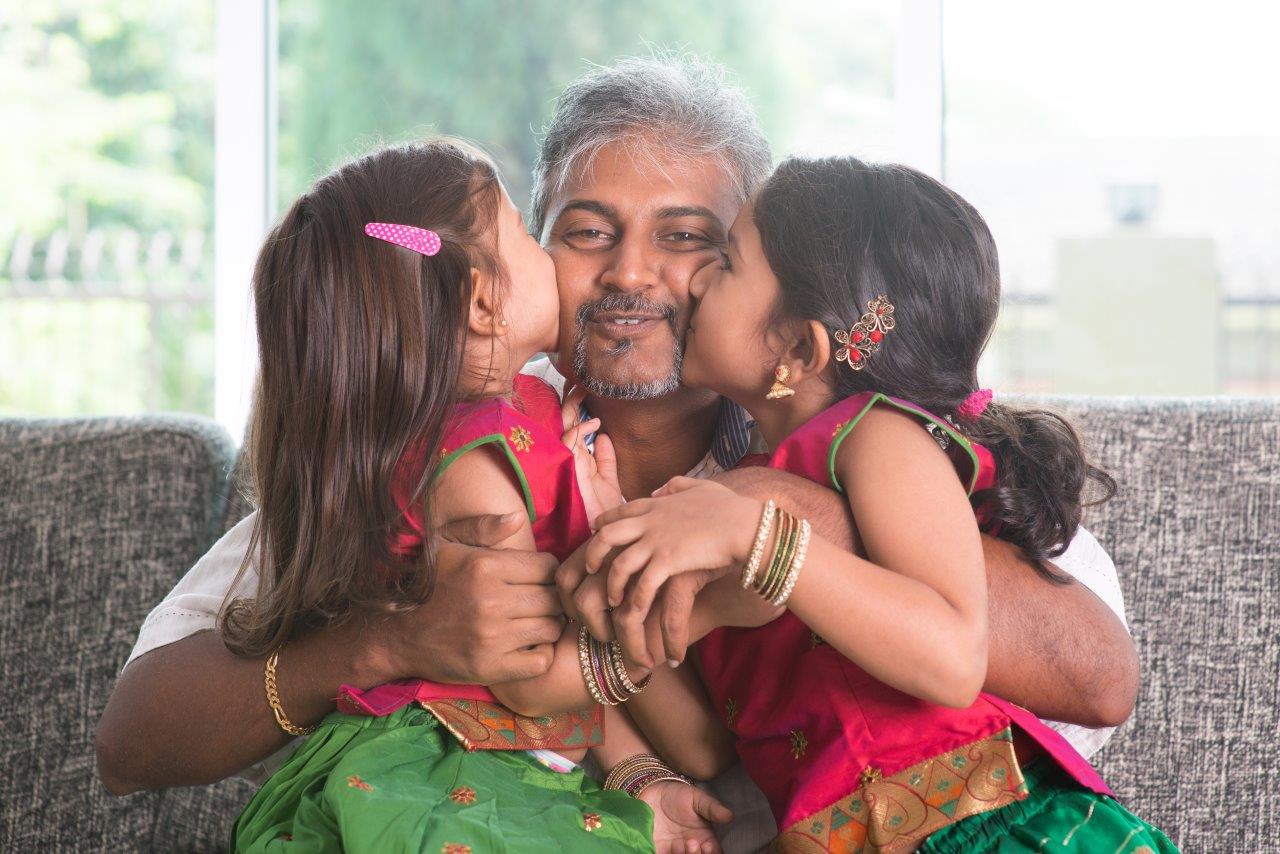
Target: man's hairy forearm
[
  {"x": 192, "y": 713},
  {"x": 1056, "y": 649}
]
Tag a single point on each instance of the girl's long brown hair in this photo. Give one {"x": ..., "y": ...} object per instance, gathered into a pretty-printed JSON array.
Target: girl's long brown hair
[
  {"x": 360, "y": 349},
  {"x": 837, "y": 231}
]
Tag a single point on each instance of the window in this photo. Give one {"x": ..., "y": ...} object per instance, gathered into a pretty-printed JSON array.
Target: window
[
  {"x": 820, "y": 75},
  {"x": 106, "y": 203},
  {"x": 1127, "y": 159}
]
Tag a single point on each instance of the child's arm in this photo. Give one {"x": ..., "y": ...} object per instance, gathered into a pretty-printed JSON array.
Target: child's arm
[
  {"x": 481, "y": 482},
  {"x": 681, "y": 812},
  {"x": 913, "y": 615},
  {"x": 676, "y": 715}
]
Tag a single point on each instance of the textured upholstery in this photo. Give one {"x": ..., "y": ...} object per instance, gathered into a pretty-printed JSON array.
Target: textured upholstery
[
  {"x": 1195, "y": 534},
  {"x": 99, "y": 518}
]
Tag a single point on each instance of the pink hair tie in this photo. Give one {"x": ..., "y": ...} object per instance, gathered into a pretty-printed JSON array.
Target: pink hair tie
[
  {"x": 421, "y": 240},
  {"x": 974, "y": 405}
]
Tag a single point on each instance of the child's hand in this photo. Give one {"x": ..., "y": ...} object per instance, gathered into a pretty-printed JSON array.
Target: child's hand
[
  {"x": 694, "y": 525},
  {"x": 597, "y": 473},
  {"x": 681, "y": 816}
]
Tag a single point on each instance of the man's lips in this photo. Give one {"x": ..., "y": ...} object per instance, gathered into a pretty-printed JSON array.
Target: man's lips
[{"x": 621, "y": 323}]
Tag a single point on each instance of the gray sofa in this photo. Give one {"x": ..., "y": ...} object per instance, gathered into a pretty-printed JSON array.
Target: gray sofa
[{"x": 100, "y": 517}]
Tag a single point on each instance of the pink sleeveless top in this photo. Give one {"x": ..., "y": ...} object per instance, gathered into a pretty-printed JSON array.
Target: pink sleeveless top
[
  {"x": 846, "y": 762},
  {"x": 528, "y": 434}
]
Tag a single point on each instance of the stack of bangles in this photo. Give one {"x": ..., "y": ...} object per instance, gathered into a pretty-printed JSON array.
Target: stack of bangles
[
  {"x": 638, "y": 773},
  {"x": 605, "y": 672},
  {"x": 786, "y": 560}
]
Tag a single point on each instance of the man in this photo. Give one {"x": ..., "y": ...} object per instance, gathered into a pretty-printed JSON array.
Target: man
[{"x": 643, "y": 168}]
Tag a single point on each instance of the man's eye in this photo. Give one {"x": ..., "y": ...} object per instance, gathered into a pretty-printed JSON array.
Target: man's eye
[
  {"x": 587, "y": 236},
  {"x": 683, "y": 239}
]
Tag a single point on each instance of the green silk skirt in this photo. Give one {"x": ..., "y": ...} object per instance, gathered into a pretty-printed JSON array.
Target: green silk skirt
[
  {"x": 404, "y": 783},
  {"x": 1057, "y": 816}
]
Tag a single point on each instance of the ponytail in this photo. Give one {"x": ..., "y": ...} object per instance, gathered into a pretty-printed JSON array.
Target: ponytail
[{"x": 1043, "y": 481}]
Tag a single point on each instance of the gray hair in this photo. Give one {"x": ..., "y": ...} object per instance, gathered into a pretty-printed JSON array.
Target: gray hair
[{"x": 671, "y": 104}]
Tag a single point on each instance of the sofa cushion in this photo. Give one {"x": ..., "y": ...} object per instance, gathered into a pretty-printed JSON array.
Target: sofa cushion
[
  {"x": 1195, "y": 534},
  {"x": 99, "y": 519}
]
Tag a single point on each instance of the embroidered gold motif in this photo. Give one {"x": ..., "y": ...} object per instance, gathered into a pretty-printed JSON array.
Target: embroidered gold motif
[
  {"x": 355, "y": 782},
  {"x": 836, "y": 432},
  {"x": 521, "y": 439},
  {"x": 897, "y": 812},
  {"x": 463, "y": 795},
  {"x": 730, "y": 711},
  {"x": 455, "y": 848},
  {"x": 591, "y": 821},
  {"x": 799, "y": 743}
]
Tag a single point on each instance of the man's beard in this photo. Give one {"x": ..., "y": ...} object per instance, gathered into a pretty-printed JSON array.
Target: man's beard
[{"x": 628, "y": 390}]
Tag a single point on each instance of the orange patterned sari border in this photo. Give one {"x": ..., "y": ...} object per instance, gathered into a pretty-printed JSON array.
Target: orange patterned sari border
[
  {"x": 897, "y": 813},
  {"x": 481, "y": 725}
]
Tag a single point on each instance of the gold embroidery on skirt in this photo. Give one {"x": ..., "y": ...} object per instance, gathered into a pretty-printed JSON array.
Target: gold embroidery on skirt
[{"x": 897, "y": 813}]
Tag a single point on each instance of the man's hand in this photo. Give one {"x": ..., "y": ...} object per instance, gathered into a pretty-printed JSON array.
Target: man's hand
[{"x": 493, "y": 615}]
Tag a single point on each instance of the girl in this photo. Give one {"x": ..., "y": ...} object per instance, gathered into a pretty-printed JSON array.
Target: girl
[
  {"x": 849, "y": 316},
  {"x": 396, "y": 302}
]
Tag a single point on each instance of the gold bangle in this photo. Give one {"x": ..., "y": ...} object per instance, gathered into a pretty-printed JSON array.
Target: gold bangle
[
  {"x": 273, "y": 697},
  {"x": 757, "y": 548},
  {"x": 797, "y": 563}
]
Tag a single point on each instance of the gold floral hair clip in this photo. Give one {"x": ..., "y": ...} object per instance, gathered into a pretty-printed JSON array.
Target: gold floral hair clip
[{"x": 864, "y": 337}]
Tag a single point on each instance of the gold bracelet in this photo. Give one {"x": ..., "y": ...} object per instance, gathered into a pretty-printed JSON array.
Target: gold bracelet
[
  {"x": 273, "y": 697},
  {"x": 757, "y": 547},
  {"x": 637, "y": 773},
  {"x": 797, "y": 563}
]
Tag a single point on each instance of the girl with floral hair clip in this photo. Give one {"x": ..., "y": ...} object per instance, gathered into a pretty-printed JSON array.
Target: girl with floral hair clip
[{"x": 848, "y": 317}]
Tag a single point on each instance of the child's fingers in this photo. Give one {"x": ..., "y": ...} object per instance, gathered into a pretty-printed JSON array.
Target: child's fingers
[
  {"x": 624, "y": 511},
  {"x": 628, "y": 625},
  {"x": 627, "y": 563},
  {"x": 597, "y": 553},
  {"x": 656, "y": 572},
  {"x": 606, "y": 459},
  {"x": 592, "y": 609},
  {"x": 574, "y": 437},
  {"x": 711, "y": 809},
  {"x": 675, "y": 612},
  {"x": 571, "y": 408}
]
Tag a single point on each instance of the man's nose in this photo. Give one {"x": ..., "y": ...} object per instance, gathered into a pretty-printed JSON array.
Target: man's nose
[{"x": 633, "y": 266}]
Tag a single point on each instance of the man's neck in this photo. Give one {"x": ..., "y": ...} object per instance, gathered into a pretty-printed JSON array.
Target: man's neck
[{"x": 657, "y": 439}]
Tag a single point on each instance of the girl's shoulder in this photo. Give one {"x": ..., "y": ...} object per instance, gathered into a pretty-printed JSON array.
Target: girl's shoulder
[{"x": 887, "y": 424}]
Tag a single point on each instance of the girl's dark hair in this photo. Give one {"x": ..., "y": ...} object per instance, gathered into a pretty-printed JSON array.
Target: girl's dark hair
[
  {"x": 837, "y": 232},
  {"x": 360, "y": 349}
]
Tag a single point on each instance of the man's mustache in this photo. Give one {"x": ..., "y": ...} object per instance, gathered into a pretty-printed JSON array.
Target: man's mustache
[{"x": 616, "y": 303}]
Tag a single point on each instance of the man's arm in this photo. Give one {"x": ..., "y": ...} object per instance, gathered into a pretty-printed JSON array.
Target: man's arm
[
  {"x": 1056, "y": 649},
  {"x": 190, "y": 712}
]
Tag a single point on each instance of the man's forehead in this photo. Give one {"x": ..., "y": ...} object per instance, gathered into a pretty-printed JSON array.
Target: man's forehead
[{"x": 658, "y": 185}]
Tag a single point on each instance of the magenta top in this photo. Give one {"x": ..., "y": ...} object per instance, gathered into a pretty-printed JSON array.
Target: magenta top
[
  {"x": 527, "y": 430},
  {"x": 846, "y": 761}
]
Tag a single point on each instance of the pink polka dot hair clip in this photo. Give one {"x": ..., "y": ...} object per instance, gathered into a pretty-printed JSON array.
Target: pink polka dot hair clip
[{"x": 421, "y": 240}]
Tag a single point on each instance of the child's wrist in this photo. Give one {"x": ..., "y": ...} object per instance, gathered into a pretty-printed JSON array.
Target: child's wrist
[{"x": 745, "y": 528}]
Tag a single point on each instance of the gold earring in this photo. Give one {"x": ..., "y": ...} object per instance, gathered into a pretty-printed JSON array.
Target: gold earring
[{"x": 780, "y": 388}]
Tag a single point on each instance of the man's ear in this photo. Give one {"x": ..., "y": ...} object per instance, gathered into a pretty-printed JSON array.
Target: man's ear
[
  {"x": 809, "y": 350},
  {"x": 484, "y": 317}
]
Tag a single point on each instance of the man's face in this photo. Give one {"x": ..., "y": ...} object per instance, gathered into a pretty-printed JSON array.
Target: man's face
[{"x": 626, "y": 239}]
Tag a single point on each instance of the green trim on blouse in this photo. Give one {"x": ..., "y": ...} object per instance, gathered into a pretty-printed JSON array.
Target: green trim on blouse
[{"x": 904, "y": 407}]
